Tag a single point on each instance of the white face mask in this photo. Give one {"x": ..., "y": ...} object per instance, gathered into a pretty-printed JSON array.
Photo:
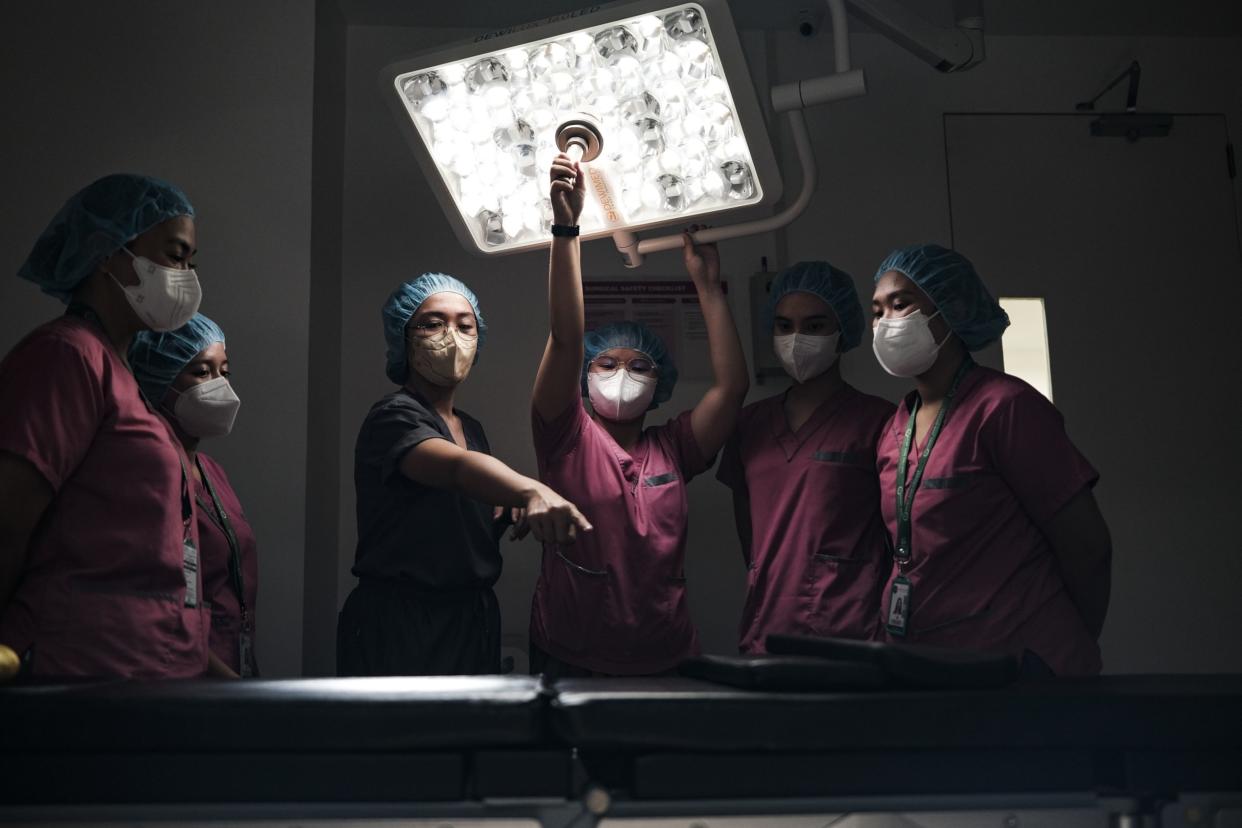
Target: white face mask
[
  {"x": 165, "y": 298},
  {"x": 804, "y": 356},
  {"x": 207, "y": 409},
  {"x": 619, "y": 395},
  {"x": 905, "y": 346},
  {"x": 444, "y": 359}
]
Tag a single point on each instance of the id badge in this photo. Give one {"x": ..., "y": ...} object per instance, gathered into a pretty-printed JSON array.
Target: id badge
[
  {"x": 899, "y": 606},
  {"x": 189, "y": 568},
  {"x": 245, "y": 655}
]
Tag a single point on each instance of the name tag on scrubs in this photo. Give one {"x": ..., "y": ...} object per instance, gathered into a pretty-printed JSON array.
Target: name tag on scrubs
[
  {"x": 899, "y": 606},
  {"x": 189, "y": 568}
]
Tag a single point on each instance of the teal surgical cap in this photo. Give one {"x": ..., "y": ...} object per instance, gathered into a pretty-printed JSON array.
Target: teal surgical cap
[
  {"x": 636, "y": 337},
  {"x": 96, "y": 223},
  {"x": 836, "y": 287},
  {"x": 157, "y": 358},
  {"x": 404, "y": 303},
  {"x": 950, "y": 281}
]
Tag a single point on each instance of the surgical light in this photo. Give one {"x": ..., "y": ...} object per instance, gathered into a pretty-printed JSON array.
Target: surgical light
[{"x": 654, "y": 97}]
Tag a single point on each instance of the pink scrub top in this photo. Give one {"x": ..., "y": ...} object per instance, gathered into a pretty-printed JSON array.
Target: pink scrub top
[
  {"x": 614, "y": 601},
  {"x": 983, "y": 576},
  {"x": 218, "y": 586},
  {"x": 819, "y": 550},
  {"x": 103, "y": 590}
]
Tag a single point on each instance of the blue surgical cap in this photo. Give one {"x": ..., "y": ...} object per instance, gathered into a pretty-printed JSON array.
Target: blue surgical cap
[
  {"x": 637, "y": 337},
  {"x": 403, "y": 304},
  {"x": 157, "y": 358},
  {"x": 836, "y": 287},
  {"x": 96, "y": 223},
  {"x": 950, "y": 281}
]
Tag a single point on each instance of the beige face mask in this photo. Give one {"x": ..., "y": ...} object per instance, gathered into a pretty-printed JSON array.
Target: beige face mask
[{"x": 444, "y": 359}]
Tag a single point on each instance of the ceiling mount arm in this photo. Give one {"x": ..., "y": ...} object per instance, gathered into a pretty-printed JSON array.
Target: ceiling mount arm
[{"x": 947, "y": 49}]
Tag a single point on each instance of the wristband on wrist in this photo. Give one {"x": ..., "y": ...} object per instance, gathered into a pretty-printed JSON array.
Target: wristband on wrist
[{"x": 567, "y": 231}]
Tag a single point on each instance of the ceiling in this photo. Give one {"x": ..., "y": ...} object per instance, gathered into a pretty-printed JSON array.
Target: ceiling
[{"x": 1170, "y": 18}]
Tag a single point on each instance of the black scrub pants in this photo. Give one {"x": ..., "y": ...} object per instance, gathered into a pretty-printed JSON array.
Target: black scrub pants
[{"x": 390, "y": 629}]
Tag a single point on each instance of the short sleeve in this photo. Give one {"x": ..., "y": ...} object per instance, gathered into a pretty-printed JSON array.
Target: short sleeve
[
  {"x": 391, "y": 430},
  {"x": 679, "y": 435},
  {"x": 1028, "y": 444},
  {"x": 558, "y": 435},
  {"x": 51, "y": 405}
]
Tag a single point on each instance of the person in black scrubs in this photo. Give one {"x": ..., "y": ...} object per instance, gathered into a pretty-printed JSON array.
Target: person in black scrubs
[{"x": 432, "y": 502}]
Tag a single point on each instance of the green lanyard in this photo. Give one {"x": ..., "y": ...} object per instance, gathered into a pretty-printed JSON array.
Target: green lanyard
[
  {"x": 235, "y": 561},
  {"x": 907, "y": 489}
]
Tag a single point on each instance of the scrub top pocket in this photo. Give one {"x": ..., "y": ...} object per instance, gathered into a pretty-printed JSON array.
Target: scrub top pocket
[{"x": 578, "y": 600}]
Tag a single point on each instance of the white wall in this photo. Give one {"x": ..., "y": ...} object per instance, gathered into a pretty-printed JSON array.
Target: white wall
[
  {"x": 882, "y": 184},
  {"x": 216, "y": 98}
]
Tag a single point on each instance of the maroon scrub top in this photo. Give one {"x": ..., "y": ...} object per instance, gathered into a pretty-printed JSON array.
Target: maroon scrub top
[
  {"x": 819, "y": 554},
  {"x": 226, "y": 620},
  {"x": 614, "y": 601},
  {"x": 103, "y": 588},
  {"x": 983, "y": 576}
]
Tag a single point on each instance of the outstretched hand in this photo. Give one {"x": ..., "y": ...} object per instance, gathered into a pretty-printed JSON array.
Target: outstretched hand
[
  {"x": 552, "y": 518},
  {"x": 568, "y": 192}
]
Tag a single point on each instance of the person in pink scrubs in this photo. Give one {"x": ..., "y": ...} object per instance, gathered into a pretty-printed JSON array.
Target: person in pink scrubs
[
  {"x": 801, "y": 465},
  {"x": 99, "y": 562},
  {"x": 614, "y": 602},
  {"x": 999, "y": 544},
  {"x": 187, "y": 372}
]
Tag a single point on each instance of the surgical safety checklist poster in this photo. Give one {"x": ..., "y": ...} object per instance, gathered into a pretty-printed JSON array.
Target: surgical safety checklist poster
[{"x": 669, "y": 308}]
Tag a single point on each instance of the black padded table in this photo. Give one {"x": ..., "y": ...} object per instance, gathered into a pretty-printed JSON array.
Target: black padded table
[
  {"x": 509, "y": 751},
  {"x": 1146, "y": 739},
  {"x": 322, "y": 740}
]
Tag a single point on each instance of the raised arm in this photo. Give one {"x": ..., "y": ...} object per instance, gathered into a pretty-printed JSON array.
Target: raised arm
[
  {"x": 557, "y": 385},
  {"x": 24, "y": 497},
  {"x": 714, "y": 417},
  {"x": 445, "y": 465},
  {"x": 1084, "y": 552}
]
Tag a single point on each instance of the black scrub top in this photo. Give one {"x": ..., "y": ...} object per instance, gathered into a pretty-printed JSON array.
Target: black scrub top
[{"x": 429, "y": 538}]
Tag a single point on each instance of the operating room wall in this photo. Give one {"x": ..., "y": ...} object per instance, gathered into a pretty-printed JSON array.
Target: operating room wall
[
  {"x": 216, "y": 98},
  {"x": 882, "y": 183}
]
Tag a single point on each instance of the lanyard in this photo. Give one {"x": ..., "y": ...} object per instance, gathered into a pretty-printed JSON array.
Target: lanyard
[
  {"x": 235, "y": 561},
  {"x": 906, "y": 489}
]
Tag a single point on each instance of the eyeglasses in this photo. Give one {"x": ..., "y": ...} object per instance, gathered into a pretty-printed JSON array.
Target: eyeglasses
[
  {"x": 434, "y": 327},
  {"x": 635, "y": 365}
]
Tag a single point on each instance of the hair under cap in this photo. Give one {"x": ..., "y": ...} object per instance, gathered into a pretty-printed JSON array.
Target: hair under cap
[
  {"x": 157, "y": 358},
  {"x": 637, "y": 337},
  {"x": 401, "y": 306},
  {"x": 950, "y": 281},
  {"x": 95, "y": 223},
  {"x": 834, "y": 286}
]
